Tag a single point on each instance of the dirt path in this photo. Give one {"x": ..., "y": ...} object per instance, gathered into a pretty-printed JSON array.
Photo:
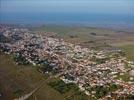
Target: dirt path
[{"x": 26, "y": 96}]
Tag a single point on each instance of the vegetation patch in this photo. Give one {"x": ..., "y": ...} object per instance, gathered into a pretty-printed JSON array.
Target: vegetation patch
[
  {"x": 62, "y": 87},
  {"x": 69, "y": 90},
  {"x": 101, "y": 91},
  {"x": 129, "y": 51}
]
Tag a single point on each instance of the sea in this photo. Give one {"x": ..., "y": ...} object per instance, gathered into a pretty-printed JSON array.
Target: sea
[{"x": 70, "y": 18}]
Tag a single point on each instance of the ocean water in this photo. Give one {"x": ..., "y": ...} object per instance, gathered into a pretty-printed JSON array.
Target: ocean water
[{"x": 88, "y": 19}]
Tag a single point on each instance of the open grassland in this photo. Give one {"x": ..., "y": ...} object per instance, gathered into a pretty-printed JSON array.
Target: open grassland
[
  {"x": 79, "y": 32},
  {"x": 129, "y": 50},
  {"x": 67, "y": 29}
]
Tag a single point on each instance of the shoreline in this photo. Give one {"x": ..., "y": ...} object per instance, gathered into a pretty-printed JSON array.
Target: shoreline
[{"x": 103, "y": 27}]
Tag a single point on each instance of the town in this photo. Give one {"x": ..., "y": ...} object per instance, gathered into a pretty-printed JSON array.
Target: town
[{"x": 88, "y": 68}]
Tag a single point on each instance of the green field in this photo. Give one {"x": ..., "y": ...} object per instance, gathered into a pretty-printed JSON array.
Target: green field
[
  {"x": 129, "y": 50},
  {"x": 66, "y": 31}
]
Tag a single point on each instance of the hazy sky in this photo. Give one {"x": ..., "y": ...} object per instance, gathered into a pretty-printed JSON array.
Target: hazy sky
[{"x": 87, "y": 6}]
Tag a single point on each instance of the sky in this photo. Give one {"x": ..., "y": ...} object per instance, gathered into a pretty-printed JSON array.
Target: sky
[{"x": 86, "y": 6}]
